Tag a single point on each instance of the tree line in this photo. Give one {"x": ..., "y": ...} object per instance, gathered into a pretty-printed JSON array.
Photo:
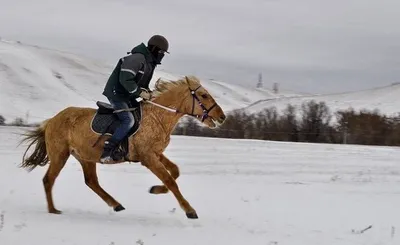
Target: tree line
[{"x": 311, "y": 122}]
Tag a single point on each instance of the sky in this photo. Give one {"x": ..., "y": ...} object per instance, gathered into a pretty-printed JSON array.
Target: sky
[{"x": 314, "y": 46}]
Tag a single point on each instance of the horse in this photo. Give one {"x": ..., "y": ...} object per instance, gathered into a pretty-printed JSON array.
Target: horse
[{"x": 69, "y": 132}]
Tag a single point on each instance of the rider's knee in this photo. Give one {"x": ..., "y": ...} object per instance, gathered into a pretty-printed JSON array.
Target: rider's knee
[{"x": 131, "y": 122}]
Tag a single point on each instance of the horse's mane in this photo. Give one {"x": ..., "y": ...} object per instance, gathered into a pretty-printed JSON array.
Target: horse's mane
[{"x": 162, "y": 86}]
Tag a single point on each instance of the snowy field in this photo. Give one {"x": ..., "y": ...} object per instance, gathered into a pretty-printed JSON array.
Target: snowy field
[{"x": 244, "y": 191}]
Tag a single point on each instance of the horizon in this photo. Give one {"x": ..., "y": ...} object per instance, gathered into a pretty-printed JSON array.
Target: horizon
[{"x": 305, "y": 47}]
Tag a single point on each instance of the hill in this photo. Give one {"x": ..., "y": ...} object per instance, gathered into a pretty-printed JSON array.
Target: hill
[{"x": 37, "y": 82}]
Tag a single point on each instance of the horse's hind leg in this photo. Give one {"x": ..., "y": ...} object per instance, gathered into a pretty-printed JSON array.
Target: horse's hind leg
[
  {"x": 58, "y": 156},
  {"x": 91, "y": 180},
  {"x": 172, "y": 169}
]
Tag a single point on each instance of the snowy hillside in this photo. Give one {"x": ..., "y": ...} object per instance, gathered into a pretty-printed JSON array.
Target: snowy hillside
[
  {"x": 244, "y": 191},
  {"x": 37, "y": 82},
  {"x": 386, "y": 99}
]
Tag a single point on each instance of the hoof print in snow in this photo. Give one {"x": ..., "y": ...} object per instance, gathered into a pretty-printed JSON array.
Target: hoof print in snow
[
  {"x": 335, "y": 178},
  {"x": 244, "y": 200},
  {"x": 1, "y": 221},
  {"x": 19, "y": 227},
  {"x": 58, "y": 75},
  {"x": 294, "y": 183}
]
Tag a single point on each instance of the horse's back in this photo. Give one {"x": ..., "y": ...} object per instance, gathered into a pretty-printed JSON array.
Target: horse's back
[
  {"x": 73, "y": 113},
  {"x": 71, "y": 118},
  {"x": 72, "y": 126}
]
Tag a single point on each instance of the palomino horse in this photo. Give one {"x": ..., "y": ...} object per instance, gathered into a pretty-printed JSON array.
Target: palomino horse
[{"x": 69, "y": 133}]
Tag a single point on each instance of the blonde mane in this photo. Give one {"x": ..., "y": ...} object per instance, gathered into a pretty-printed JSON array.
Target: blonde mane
[{"x": 163, "y": 86}]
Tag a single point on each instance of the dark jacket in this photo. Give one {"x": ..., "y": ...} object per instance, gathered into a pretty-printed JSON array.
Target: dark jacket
[{"x": 131, "y": 73}]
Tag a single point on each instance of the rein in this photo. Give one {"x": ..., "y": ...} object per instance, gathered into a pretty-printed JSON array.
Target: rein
[{"x": 203, "y": 117}]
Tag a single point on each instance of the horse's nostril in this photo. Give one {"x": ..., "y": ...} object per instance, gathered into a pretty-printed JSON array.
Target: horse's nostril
[{"x": 223, "y": 118}]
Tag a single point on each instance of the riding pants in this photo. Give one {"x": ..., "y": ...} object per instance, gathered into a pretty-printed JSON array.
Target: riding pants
[{"x": 126, "y": 118}]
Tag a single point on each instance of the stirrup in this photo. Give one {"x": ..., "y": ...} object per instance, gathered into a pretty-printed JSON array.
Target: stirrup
[{"x": 106, "y": 159}]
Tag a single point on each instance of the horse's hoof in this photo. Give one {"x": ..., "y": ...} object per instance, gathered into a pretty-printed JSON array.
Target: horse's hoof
[
  {"x": 55, "y": 211},
  {"x": 152, "y": 189},
  {"x": 192, "y": 215},
  {"x": 119, "y": 208},
  {"x": 158, "y": 189}
]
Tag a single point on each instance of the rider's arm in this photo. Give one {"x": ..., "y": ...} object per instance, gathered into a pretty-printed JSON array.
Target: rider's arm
[{"x": 129, "y": 70}]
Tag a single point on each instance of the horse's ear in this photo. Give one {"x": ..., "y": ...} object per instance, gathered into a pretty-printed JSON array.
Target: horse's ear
[
  {"x": 187, "y": 80},
  {"x": 157, "y": 82}
]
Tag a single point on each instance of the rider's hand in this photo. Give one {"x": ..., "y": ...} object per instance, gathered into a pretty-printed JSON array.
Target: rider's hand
[{"x": 146, "y": 95}]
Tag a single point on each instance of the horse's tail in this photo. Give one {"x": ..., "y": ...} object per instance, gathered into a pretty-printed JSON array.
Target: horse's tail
[{"x": 39, "y": 155}]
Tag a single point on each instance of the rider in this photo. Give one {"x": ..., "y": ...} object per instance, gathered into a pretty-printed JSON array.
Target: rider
[{"x": 129, "y": 81}]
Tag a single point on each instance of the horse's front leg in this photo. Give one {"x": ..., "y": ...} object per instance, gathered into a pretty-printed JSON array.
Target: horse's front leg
[
  {"x": 172, "y": 169},
  {"x": 153, "y": 163}
]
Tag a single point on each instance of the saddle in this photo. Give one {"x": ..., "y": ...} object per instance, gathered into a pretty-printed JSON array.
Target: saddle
[{"x": 105, "y": 122}]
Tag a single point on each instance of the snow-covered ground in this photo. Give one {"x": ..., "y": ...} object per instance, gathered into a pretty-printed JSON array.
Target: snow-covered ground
[
  {"x": 37, "y": 82},
  {"x": 245, "y": 192}
]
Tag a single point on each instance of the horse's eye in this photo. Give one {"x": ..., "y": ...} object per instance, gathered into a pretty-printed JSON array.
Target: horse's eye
[{"x": 204, "y": 96}]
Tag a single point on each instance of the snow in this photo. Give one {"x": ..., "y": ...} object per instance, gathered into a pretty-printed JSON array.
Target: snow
[
  {"x": 37, "y": 82},
  {"x": 244, "y": 191},
  {"x": 385, "y": 99}
]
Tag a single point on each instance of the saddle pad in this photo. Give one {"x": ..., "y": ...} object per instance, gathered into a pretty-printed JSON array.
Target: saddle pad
[{"x": 107, "y": 123}]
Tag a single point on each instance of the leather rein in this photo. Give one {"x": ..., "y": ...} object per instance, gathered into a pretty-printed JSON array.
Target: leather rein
[{"x": 203, "y": 116}]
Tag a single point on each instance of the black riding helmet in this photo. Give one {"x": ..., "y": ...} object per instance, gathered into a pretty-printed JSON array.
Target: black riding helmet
[
  {"x": 158, "y": 46},
  {"x": 159, "y": 42}
]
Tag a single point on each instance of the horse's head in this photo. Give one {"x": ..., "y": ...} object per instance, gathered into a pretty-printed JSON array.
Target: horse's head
[
  {"x": 202, "y": 105},
  {"x": 189, "y": 97}
]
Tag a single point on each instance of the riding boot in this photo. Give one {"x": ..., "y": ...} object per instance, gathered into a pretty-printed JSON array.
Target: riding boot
[{"x": 109, "y": 147}]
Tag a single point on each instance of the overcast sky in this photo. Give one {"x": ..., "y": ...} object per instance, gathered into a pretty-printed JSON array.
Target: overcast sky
[{"x": 316, "y": 46}]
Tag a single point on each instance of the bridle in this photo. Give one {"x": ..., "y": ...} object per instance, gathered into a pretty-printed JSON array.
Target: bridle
[{"x": 206, "y": 111}]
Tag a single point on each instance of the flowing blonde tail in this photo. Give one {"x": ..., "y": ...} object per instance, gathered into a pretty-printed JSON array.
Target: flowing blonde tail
[{"x": 39, "y": 155}]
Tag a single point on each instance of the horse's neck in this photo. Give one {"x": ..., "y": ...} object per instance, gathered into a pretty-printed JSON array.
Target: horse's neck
[{"x": 167, "y": 118}]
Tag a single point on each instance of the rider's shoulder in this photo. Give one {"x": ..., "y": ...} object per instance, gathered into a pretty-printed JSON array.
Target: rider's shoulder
[{"x": 135, "y": 57}]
